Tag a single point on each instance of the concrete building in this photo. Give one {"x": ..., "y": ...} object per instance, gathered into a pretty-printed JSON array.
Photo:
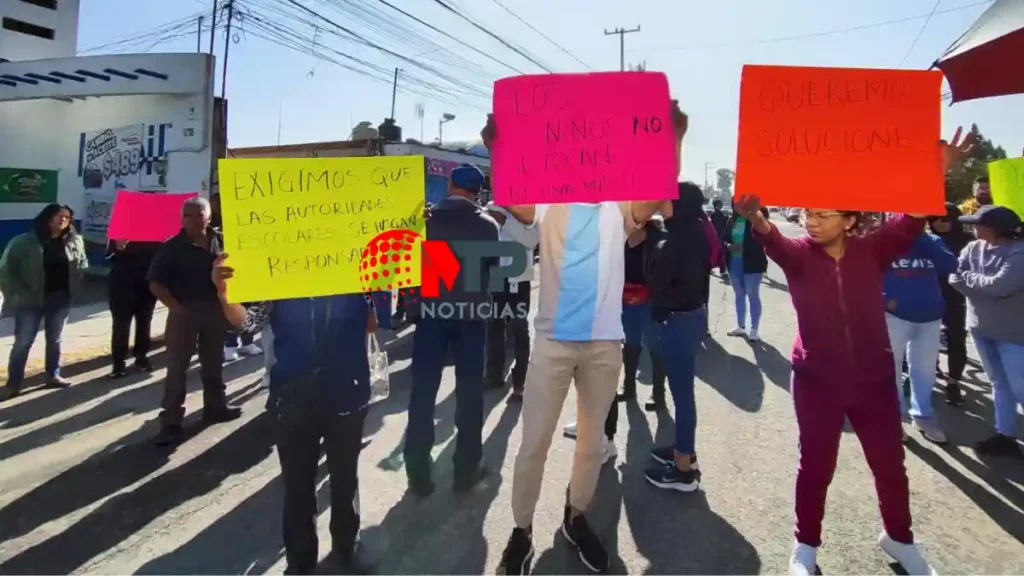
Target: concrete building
[{"x": 75, "y": 130}]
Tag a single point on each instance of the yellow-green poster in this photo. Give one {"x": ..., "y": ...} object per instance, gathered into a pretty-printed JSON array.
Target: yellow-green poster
[
  {"x": 1007, "y": 179},
  {"x": 27, "y": 185},
  {"x": 305, "y": 227}
]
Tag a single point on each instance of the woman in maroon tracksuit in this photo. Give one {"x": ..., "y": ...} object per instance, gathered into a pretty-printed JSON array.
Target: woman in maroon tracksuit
[{"x": 842, "y": 364}]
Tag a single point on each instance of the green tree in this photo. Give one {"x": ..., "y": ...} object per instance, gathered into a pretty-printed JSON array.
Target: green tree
[
  {"x": 725, "y": 179},
  {"x": 959, "y": 182}
]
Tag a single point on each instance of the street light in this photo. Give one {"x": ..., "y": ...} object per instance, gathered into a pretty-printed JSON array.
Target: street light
[
  {"x": 707, "y": 165},
  {"x": 446, "y": 117}
]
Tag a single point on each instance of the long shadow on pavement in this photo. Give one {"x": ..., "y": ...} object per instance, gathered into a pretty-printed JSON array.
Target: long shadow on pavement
[
  {"x": 737, "y": 379},
  {"x": 772, "y": 364},
  {"x": 121, "y": 464},
  {"x": 36, "y": 402},
  {"x": 677, "y": 533},
  {"x": 443, "y": 534},
  {"x": 133, "y": 400}
]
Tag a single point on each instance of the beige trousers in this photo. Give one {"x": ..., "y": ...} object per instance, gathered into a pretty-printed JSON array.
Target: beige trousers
[{"x": 595, "y": 366}]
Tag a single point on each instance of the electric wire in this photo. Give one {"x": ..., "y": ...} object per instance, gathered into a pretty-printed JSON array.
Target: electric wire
[{"x": 541, "y": 34}]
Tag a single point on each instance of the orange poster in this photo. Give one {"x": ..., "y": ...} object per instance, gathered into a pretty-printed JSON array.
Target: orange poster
[{"x": 841, "y": 138}]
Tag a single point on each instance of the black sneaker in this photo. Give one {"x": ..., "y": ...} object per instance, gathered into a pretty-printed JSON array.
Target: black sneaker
[
  {"x": 672, "y": 478},
  {"x": 7, "y": 392},
  {"x": 168, "y": 435},
  {"x": 143, "y": 366},
  {"x": 666, "y": 456},
  {"x": 494, "y": 383},
  {"x": 518, "y": 553},
  {"x": 954, "y": 395},
  {"x": 223, "y": 414},
  {"x": 118, "y": 373},
  {"x": 998, "y": 445},
  {"x": 466, "y": 481},
  {"x": 654, "y": 405},
  {"x": 590, "y": 550},
  {"x": 422, "y": 488}
]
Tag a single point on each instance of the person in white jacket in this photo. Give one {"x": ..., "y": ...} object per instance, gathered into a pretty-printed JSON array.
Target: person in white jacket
[{"x": 512, "y": 309}]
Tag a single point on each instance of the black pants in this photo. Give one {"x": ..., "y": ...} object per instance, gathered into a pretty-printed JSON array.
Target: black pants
[
  {"x": 955, "y": 321},
  {"x": 496, "y": 343},
  {"x": 302, "y": 422},
  {"x": 611, "y": 423},
  {"x": 139, "y": 309}
]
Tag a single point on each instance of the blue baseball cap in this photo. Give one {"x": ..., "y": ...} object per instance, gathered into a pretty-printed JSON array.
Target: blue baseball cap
[
  {"x": 1000, "y": 218},
  {"x": 469, "y": 178}
]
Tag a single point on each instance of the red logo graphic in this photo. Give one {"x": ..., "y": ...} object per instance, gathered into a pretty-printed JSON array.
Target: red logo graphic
[{"x": 386, "y": 262}]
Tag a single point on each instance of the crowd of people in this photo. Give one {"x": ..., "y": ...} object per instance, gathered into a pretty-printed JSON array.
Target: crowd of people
[{"x": 615, "y": 279}]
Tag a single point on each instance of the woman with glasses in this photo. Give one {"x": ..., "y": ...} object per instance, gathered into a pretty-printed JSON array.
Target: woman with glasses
[{"x": 843, "y": 365}]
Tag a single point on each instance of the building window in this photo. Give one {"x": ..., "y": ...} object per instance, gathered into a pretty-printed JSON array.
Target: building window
[
  {"x": 26, "y": 28},
  {"x": 51, "y": 4}
]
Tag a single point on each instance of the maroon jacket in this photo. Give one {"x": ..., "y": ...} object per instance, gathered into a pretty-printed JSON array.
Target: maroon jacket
[{"x": 840, "y": 311}]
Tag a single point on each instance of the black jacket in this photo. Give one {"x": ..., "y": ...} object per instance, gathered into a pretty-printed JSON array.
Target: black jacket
[
  {"x": 644, "y": 252},
  {"x": 754, "y": 259},
  {"x": 682, "y": 259},
  {"x": 718, "y": 220},
  {"x": 956, "y": 239},
  {"x": 457, "y": 219},
  {"x": 126, "y": 283}
]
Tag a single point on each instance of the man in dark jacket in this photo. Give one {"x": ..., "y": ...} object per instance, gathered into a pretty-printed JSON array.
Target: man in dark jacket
[
  {"x": 458, "y": 218},
  {"x": 719, "y": 220},
  {"x": 319, "y": 390},
  {"x": 180, "y": 278},
  {"x": 954, "y": 321}
]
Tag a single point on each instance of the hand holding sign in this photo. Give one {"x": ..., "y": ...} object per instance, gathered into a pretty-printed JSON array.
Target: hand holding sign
[{"x": 221, "y": 273}]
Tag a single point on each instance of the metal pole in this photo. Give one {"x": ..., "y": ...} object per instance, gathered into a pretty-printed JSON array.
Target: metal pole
[
  {"x": 622, "y": 43},
  {"x": 199, "y": 36},
  {"x": 394, "y": 90},
  {"x": 440, "y": 131},
  {"x": 213, "y": 27},
  {"x": 227, "y": 44}
]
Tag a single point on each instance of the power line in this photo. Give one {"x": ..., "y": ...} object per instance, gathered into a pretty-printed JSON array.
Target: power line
[
  {"x": 492, "y": 35},
  {"x": 919, "y": 32},
  {"x": 447, "y": 35},
  {"x": 824, "y": 32},
  {"x": 622, "y": 43},
  {"x": 542, "y": 35}
]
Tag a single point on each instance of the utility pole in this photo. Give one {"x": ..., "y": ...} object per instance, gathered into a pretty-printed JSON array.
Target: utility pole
[
  {"x": 213, "y": 27},
  {"x": 394, "y": 91},
  {"x": 199, "y": 36},
  {"x": 622, "y": 43},
  {"x": 227, "y": 44}
]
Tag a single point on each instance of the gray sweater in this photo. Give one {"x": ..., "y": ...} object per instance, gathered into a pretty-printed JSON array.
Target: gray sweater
[{"x": 992, "y": 279}]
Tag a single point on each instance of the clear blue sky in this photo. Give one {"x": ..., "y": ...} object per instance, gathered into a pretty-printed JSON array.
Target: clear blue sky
[{"x": 700, "y": 45}]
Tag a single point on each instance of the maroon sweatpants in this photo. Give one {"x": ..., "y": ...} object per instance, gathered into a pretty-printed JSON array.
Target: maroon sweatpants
[{"x": 874, "y": 413}]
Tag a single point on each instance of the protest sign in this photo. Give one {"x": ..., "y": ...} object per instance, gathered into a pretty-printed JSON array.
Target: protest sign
[
  {"x": 841, "y": 138},
  {"x": 146, "y": 217},
  {"x": 298, "y": 227},
  {"x": 583, "y": 138},
  {"x": 1007, "y": 180}
]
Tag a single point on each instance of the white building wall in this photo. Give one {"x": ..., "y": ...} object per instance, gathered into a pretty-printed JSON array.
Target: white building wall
[{"x": 63, "y": 21}]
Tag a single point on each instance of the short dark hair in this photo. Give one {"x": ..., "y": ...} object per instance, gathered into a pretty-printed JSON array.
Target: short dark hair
[
  {"x": 717, "y": 203},
  {"x": 981, "y": 180}
]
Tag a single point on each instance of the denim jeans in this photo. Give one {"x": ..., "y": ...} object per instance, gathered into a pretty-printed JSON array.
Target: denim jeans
[
  {"x": 53, "y": 315},
  {"x": 639, "y": 327},
  {"x": 918, "y": 342},
  {"x": 1004, "y": 364},
  {"x": 745, "y": 286},
  {"x": 680, "y": 337},
  {"x": 431, "y": 340}
]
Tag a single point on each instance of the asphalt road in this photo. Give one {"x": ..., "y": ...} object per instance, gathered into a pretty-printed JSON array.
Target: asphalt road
[{"x": 83, "y": 490}]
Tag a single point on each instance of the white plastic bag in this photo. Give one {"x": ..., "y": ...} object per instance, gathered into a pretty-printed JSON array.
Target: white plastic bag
[{"x": 380, "y": 384}]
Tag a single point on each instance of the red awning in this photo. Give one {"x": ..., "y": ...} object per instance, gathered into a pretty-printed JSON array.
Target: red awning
[{"x": 988, "y": 60}]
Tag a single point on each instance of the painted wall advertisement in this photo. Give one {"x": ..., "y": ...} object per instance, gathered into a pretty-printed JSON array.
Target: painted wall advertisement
[{"x": 26, "y": 185}]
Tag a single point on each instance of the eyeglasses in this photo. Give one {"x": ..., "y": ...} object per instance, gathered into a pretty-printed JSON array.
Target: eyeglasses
[{"x": 808, "y": 216}]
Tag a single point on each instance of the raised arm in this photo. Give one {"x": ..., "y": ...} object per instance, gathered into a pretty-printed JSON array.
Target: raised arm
[
  {"x": 893, "y": 239},
  {"x": 642, "y": 211},
  {"x": 786, "y": 252}
]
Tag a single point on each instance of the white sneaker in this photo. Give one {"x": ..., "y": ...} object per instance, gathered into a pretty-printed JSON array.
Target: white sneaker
[
  {"x": 740, "y": 332},
  {"x": 908, "y": 556},
  {"x": 570, "y": 430},
  {"x": 265, "y": 383},
  {"x": 753, "y": 336},
  {"x": 610, "y": 451},
  {"x": 803, "y": 561},
  {"x": 930, "y": 430},
  {"x": 250, "y": 350},
  {"x": 230, "y": 354}
]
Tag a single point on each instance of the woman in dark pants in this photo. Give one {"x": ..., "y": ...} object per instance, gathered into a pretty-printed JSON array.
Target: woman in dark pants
[
  {"x": 130, "y": 299},
  {"x": 954, "y": 321}
]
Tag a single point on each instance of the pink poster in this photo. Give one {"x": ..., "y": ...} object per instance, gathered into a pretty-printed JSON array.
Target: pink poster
[
  {"x": 583, "y": 138},
  {"x": 146, "y": 216}
]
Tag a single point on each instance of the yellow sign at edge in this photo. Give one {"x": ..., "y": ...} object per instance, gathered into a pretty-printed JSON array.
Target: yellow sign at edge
[
  {"x": 1007, "y": 180},
  {"x": 298, "y": 227}
]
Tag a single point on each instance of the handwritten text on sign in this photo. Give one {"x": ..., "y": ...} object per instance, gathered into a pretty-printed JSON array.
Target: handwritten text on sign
[
  {"x": 297, "y": 227},
  {"x": 841, "y": 138},
  {"x": 1007, "y": 178},
  {"x": 583, "y": 138}
]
